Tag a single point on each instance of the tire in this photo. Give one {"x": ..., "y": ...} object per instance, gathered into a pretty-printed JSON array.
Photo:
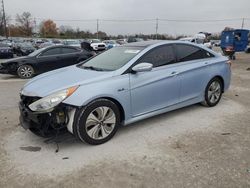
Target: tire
[
  {"x": 90, "y": 125},
  {"x": 25, "y": 71},
  {"x": 213, "y": 92}
]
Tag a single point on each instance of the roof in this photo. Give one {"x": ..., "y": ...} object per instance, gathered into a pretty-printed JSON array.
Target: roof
[{"x": 144, "y": 44}]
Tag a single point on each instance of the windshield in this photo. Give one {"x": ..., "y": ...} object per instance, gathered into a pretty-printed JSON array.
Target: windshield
[
  {"x": 36, "y": 52},
  {"x": 112, "y": 59}
]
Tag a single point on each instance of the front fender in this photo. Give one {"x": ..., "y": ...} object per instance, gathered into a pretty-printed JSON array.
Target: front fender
[{"x": 116, "y": 88}]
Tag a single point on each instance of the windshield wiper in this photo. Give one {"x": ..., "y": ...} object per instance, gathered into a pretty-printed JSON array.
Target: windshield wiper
[{"x": 93, "y": 68}]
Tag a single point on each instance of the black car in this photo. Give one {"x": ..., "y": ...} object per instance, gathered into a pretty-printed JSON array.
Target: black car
[
  {"x": 5, "y": 51},
  {"x": 23, "y": 49},
  {"x": 43, "y": 60}
]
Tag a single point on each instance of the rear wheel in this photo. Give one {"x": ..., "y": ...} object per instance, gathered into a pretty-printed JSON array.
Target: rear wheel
[
  {"x": 213, "y": 92},
  {"x": 25, "y": 71},
  {"x": 97, "y": 122}
]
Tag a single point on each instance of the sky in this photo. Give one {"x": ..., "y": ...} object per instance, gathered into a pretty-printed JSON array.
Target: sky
[{"x": 88, "y": 11}]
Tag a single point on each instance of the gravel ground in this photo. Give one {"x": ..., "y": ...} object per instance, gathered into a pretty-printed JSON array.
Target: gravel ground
[{"x": 190, "y": 147}]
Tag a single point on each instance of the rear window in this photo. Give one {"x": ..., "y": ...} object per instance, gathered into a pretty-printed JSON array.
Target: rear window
[
  {"x": 69, "y": 50},
  {"x": 189, "y": 53}
]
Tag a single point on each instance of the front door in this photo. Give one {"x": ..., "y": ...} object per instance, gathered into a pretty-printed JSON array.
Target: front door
[
  {"x": 158, "y": 88},
  {"x": 49, "y": 59}
]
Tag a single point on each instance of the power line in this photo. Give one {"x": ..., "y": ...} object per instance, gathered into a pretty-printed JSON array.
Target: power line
[{"x": 142, "y": 20}]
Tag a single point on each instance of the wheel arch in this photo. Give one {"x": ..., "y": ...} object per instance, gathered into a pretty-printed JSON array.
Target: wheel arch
[
  {"x": 222, "y": 81},
  {"x": 121, "y": 109}
]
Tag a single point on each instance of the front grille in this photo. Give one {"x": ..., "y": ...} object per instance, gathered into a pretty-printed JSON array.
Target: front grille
[
  {"x": 101, "y": 45},
  {"x": 27, "y": 100}
]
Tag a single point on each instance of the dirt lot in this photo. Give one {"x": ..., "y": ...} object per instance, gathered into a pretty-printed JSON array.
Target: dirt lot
[{"x": 191, "y": 147}]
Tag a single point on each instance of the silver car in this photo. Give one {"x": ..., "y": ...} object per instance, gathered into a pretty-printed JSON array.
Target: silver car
[{"x": 121, "y": 86}]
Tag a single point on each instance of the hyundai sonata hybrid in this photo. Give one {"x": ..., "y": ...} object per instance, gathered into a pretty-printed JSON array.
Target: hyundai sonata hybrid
[{"x": 121, "y": 86}]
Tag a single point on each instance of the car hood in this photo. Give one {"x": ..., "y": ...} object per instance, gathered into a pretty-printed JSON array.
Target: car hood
[
  {"x": 53, "y": 81},
  {"x": 96, "y": 44},
  {"x": 17, "y": 59}
]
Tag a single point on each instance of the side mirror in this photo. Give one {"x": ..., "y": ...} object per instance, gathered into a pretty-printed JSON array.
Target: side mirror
[{"x": 143, "y": 67}]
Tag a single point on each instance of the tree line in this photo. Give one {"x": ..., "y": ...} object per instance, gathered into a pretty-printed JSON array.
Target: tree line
[{"x": 26, "y": 26}]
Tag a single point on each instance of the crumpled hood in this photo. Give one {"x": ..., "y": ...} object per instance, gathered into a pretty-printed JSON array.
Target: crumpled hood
[
  {"x": 53, "y": 81},
  {"x": 17, "y": 59}
]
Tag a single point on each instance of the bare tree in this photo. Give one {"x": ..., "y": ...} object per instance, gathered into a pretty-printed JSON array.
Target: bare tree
[{"x": 25, "y": 23}]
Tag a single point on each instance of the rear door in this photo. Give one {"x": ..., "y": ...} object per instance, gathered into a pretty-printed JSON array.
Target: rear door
[
  {"x": 193, "y": 69},
  {"x": 158, "y": 88},
  {"x": 69, "y": 56}
]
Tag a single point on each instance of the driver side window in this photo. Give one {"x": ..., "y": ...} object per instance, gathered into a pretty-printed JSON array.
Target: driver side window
[{"x": 160, "y": 56}]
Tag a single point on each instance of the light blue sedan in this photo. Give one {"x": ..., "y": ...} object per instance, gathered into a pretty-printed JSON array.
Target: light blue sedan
[{"x": 121, "y": 86}]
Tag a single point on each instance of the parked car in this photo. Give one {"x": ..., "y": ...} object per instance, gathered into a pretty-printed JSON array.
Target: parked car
[
  {"x": 97, "y": 45},
  {"x": 43, "y": 60},
  {"x": 46, "y": 44},
  {"x": 134, "y": 39},
  {"x": 121, "y": 41},
  {"x": 110, "y": 43},
  {"x": 121, "y": 86},
  {"x": 5, "y": 51},
  {"x": 23, "y": 49},
  {"x": 37, "y": 43},
  {"x": 74, "y": 43}
]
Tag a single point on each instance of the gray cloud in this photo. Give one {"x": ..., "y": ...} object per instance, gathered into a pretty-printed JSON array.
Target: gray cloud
[{"x": 137, "y": 9}]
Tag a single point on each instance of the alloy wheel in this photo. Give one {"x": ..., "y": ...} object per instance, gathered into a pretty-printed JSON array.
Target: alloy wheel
[
  {"x": 214, "y": 92},
  {"x": 100, "y": 123},
  {"x": 25, "y": 71}
]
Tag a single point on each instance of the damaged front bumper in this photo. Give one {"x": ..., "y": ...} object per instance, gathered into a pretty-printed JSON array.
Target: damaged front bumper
[
  {"x": 7, "y": 70},
  {"x": 46, "y": 124}
]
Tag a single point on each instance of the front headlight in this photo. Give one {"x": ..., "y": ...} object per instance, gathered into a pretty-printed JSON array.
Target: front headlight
[{"x": 49, "y": 102}]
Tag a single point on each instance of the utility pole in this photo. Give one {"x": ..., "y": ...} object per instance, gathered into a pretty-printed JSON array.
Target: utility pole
[
  {"x": 243, "y": 23},
  {"x": 156, "y": 28},
  {"x": 97, "y": 28},
  {"x": 4, "y": 20}
]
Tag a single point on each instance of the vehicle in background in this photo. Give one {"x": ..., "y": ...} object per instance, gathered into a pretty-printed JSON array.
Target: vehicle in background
[
  {"x": 37, "y": 43},
  {"x": 234, "y": 40},
  {"x": 200, "y": 38},
  {"x": 97, "y": 45},
  {"x": 74, "y": 43},
  {"x": 121, "y": 86},
  {"x": 23, "y": 49},
  {"x": 43, "y": 60},
  {"x": 8, "y": 42},
  {"x": 121, "y": 41},
  {"x": 215, "y": 43},
  {"x": 110, "y": 43},
  {"x": 6, "y": 51},
  {"x": 46, "y": 44},
  {"x": 134, "y": 39}
]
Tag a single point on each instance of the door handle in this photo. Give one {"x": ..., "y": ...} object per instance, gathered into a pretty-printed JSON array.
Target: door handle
[
  {"x": 206, "y": 63},
  {"x": 174, "y": 73}
]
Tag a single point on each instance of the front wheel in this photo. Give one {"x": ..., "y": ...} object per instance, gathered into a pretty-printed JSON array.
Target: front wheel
[
  {"x": 97, "y": 122},
  {"x": 213, "y": 92},
  {"x": 25, "y": 71}
]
